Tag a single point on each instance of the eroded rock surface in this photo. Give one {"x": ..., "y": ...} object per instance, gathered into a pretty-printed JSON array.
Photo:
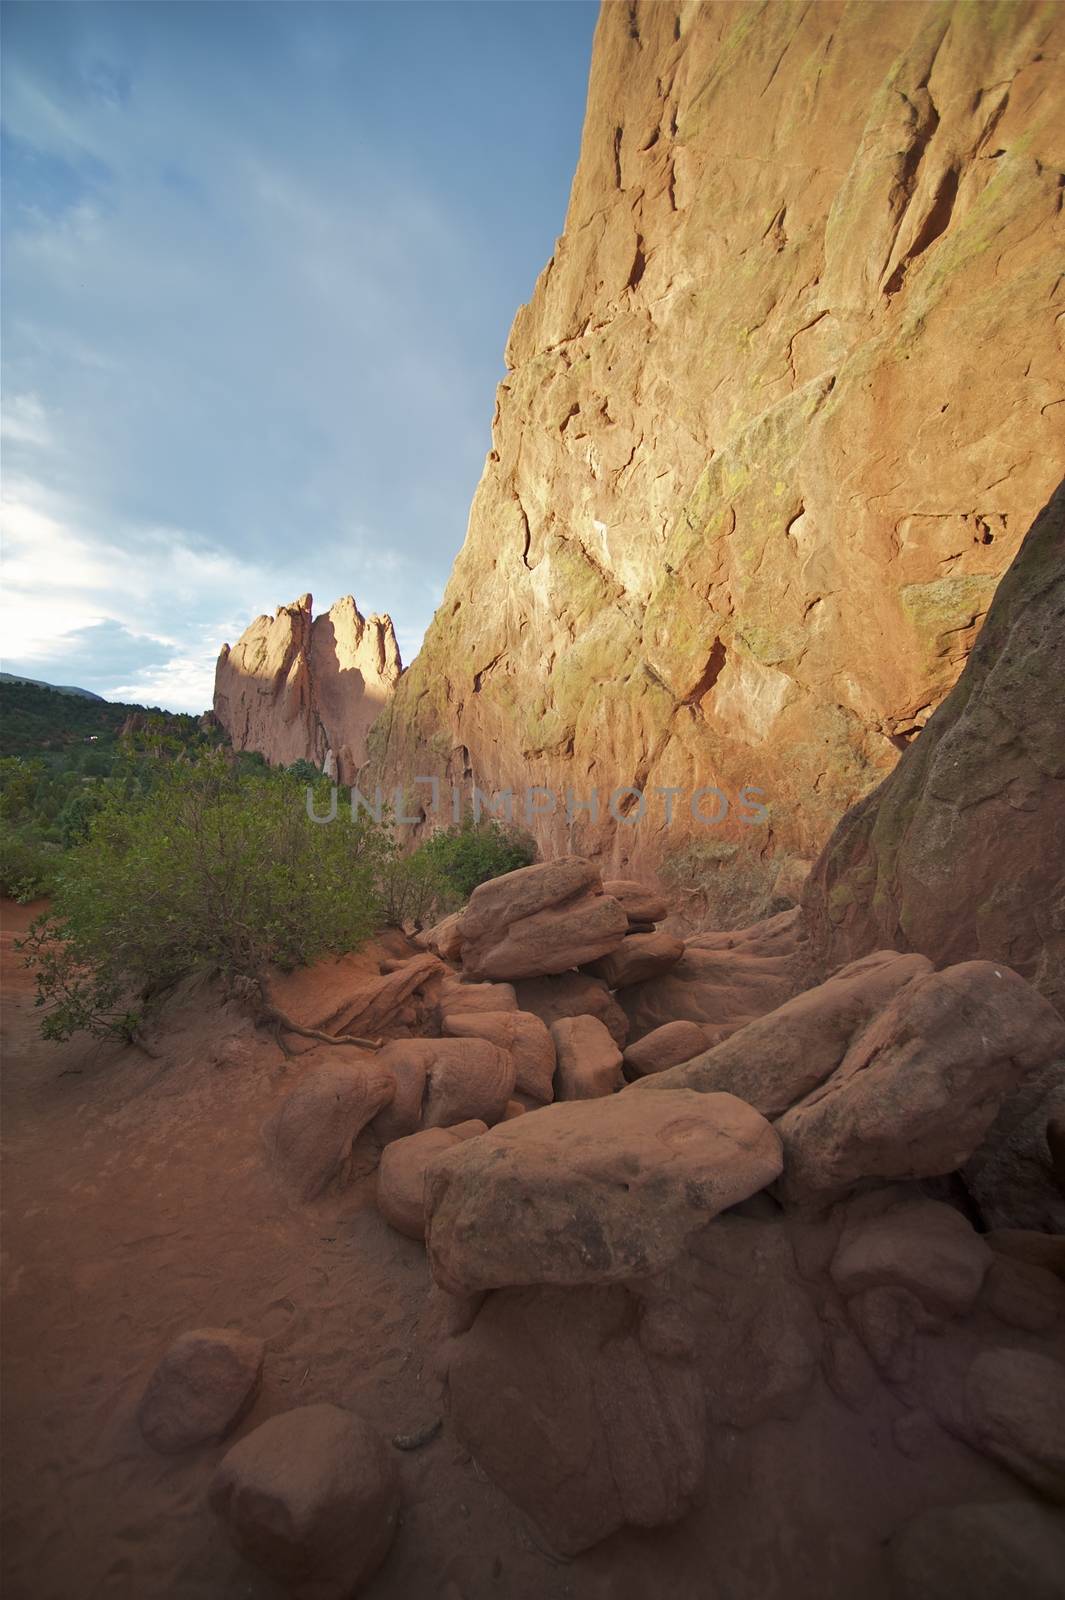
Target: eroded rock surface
[
  {"x": 297, "y": 689},
  {"x": 756, "y": 465},
  {"x": 592, "y": 1191}
]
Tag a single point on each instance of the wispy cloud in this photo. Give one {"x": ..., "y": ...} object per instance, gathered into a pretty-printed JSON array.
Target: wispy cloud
[{"x": 254, "y": 307}]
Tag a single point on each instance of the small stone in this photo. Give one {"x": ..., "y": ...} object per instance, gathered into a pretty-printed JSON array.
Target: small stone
[
  {"x": 311, "y": 1498},
  {"x": 205, "y": 1383}
]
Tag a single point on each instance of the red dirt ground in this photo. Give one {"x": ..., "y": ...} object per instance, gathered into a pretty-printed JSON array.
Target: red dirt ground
[{"x": 137, "y": 1203}]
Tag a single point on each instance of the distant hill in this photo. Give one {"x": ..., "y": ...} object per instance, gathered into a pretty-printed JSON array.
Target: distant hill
[
  {"x": 39, "y": 719},
  {"x": 39, "y": 683}
]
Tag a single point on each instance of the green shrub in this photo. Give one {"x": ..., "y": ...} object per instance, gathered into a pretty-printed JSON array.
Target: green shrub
[
  {"x": 212, "y": 868},
  {"x": 475, "y": 851},
  {"x": 27, "y": 862}
]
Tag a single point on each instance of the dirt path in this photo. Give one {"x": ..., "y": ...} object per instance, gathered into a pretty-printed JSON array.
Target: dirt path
[{"x": 136, "y": 1204}]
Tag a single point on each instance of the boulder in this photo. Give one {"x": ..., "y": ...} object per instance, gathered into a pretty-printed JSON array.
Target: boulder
[
  {"x": 444, "y": 938},
  {"x": 553, "y": 940},
  {"x": 919, "y": 1088},
  {"x": 577, "y": 1418},
  {"x": 573, "y": 994},
  {"x": 642, "y": 904},
  {"x": 664, "y": 1047},
  {"x": 997, "y": 1551},
  {"x": 408, "y": 1060},
  {"x": 311, "y": 1497},
  {"x": 1011, "y": 1174},
  {"x": 467, "y": 1078},
  {"x": 1025, "y": 1244},
  {"x": 639, "y": 956},
  {"x": 1022, "y": 1295},
  {"x": 920, "y": 1245},
  {"x": 351, "y": 994},
  {"x": 592, "y": 1191},
  {"x": 954, "y": 853},
  {"x": 523, "y": 1035},
  {"x": 589, "y": 1062},
  {"x": 540, "y": 920},
  {"x": 443, "y": 1081},
  {"x": 401, "y": 1174},
  {"x": 758, "y": 1334},
  {"x": 455, "y": 995},
  {"x": 202, "y": 1387},
  {"x": 723, "y": 980},
  {"x": 310, "y": 1136},
  {"x": 1015, "y": 1412},
  {"x": 781, "y": 1057}
]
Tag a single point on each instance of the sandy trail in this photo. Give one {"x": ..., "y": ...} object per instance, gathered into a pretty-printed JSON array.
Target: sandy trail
[{"x": 136, "y": 1204}]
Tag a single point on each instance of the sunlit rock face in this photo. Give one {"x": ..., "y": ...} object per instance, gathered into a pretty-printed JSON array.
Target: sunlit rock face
[
  {"x": 297, "y": 687},
  {"x": 776, "y": 417}
]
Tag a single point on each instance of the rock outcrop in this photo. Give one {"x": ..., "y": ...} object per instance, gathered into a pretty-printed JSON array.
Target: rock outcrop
[
  {"x": 776, "y": 417},
  {"x": 961, "y": 852},
  {"x": 297, "y": 689}
]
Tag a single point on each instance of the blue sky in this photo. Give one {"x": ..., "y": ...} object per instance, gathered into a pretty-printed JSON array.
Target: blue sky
[{"x": 260, "y": 260}]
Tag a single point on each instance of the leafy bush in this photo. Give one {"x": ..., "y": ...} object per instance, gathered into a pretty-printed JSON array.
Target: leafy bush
[
  {"x": 412, "y": 889},
  {"x": 211, "y": 868},
  {"x": 475, "y": 851},
  {"x": 27, "y": 863}
]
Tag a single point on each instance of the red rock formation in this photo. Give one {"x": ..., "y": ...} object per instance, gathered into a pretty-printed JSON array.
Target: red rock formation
[
  {"x": 960, "y": 853},
  {"x": 296, "y": 689},
  {"x": 777, "y": 415}
]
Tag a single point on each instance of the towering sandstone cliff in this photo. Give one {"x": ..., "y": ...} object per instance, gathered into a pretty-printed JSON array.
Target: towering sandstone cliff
[
  {"x": 781, "y": 407},
  {"x": 296, "y": 689}
]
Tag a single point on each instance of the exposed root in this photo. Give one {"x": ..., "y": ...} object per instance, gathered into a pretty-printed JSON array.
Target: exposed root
[{"x": 256, "y": 992}]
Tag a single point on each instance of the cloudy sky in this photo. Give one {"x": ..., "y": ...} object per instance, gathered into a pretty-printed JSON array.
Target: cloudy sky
[{"x": 260, "y": 260}]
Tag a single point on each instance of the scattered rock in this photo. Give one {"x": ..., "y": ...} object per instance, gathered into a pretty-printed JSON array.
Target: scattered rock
[
  {"x": 1015, "y": 1412},
  {"x": 311, "y": 1497},
  {"x": 443, "y": 1081},
  {"x": 919, "y": 1245},
  {"x": 467, "y": 998},
  {"x": 639, "y": 956},
  {"x": 759, "y": 1335},
  {"x": 573, "y": 994},
  {"x": 1025, "y": 1244},
  {"x": 724, "y": 980},
  {"x": 560, "y": 1400},
  {"x": 980, "y": 1552},
  {"x": 523, "y": 1035},
  {"x": 664, "y": 1047},
  {"x": 887, "y": 1320},
  {"x": 540, "y": 920},
  {"x": 444, "y": 938},
  {"x": 310, "y": 1137},
  {"x": 589, "y": 1062},
  {"x": 467, "y": 1078},
  {"x": 1022, "y": 1295},
  {"x": 351, "y": 994},
  {"x": 641, "y": 903},
  {"x": 401, "y": 1174},
  {"x": 592, "y": 1191},
  {"x": 1010, "y": 1175},
  {"x": 781, "y": 1057},
  {"x": 205, "y": 1383},
  {"x": 919, "y": 1088}
]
